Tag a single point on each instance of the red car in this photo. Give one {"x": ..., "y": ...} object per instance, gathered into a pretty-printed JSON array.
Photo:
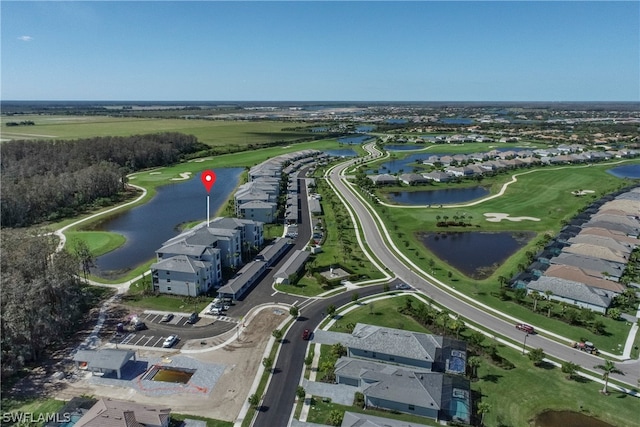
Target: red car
[
  {"x": 306, "y": 334},
  {"x": 525, "y": 328}
]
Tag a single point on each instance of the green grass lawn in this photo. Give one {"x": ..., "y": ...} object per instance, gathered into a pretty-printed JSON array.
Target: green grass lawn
[
  {"x": 531, "y": 390},
  {"x": 210, "y": 132},
  {"x": 544, "y": 193},
  {"x": 99, "y": 242}
]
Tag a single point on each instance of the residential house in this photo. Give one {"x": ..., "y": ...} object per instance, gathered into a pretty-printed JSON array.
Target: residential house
[
  {"x": 118, "y": 413},
  {"x": 258, "y": 210},
  {"x": 383, "y": 179},
  {"x": 574, "y": 293},
  {"x": 588, "y": 277},
  {"x": 437, "y": 176},
  {"x": 607, "y": 269},
  {"x": 412, "y": 178},
  {"x": 421, "y": 392}
]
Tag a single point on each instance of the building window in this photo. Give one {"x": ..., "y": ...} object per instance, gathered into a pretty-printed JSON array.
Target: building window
[
  {"x": 168, "y": 288},
  {"x": 168, "y": 280},
  {"x": 412, "y": 408}
]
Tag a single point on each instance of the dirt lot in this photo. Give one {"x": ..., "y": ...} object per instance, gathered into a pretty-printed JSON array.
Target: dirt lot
[{"x": 242, "y": 357}]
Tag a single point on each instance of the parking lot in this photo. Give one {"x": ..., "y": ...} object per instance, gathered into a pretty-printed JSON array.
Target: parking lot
[
  {"x": 146, "y": 340},
  {"x": 156, "y": 331}
]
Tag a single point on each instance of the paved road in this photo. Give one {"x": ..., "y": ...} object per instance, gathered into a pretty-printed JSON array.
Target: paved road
[
  {"x": 381, "y": 248},
  {"x": 280, "y": 396}
]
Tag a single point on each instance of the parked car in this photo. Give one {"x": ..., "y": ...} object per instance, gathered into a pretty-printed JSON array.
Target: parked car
[
  {"x": 215, "y": 311},
  {"x": 138, "y": 326},
  {"x": 403, "y": 286},
  {"x": 167, "y": 317},
  {"x": 193, "y": 318},
  {"x": 525, "y": 328},
  {"x": 306, "y": 334},
  {"x": 170, "y": 341}
]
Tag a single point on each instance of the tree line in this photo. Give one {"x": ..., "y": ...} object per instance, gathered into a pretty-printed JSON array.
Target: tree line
[
  {"x": 48, "y": 180},
  {"x": 42, "y": 300}
]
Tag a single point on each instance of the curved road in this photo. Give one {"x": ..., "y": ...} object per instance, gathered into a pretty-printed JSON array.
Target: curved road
[
  {"x": 280, "y": 395},
  {"x": 455, "y": 302}
]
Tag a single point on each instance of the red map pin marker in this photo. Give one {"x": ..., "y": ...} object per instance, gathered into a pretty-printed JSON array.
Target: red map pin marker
[{"x": 208, "y": 178}]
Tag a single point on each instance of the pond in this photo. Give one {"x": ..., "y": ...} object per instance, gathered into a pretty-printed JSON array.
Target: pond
[
  {"x": 403, "y": 147},
  {"x": 475, "y": 254},
  {"x": 365, "y": 128},
  {"x": 628, "y": 171},
  {"x": 402, "y": 165},
  {"x": 567, "y": 419},
  {"x": 147, "y": 226},
  {"x": 445, "y": 196},
  {"x": 355, "y": 139}
]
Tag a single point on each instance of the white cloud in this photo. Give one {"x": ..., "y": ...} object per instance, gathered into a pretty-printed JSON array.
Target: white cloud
[{"x": 25, "y": 38}]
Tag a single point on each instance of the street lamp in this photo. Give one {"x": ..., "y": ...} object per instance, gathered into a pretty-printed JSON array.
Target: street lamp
[{"x": 525, "y": 343}]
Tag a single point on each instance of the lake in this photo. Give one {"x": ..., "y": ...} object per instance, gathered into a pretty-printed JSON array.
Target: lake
[
  {"x": 628, "y": 171},
  {"x": 356, "y": 139},
  {"x": 147, "y": 226},
  {"x": 475, "y": 254},
  {"x": 402, "y": 165},
  {"x": 444, "y": 196},
  {"x": 403, "y": 147}
]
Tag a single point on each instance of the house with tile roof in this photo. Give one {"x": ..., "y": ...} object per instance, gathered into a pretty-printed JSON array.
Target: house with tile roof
[
  {"x": 574, "y": 293},
  {"x": 606, "y": 269},
  {"x": 435, "y": 395},
  {"x": 433, "y": 352},
  {"x": 588, "y": 277},
  {"x": 118, "y": 413}
]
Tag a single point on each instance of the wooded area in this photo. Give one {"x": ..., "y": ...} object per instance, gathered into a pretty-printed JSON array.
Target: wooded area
[
  {"x": 48, "y": 180},
  {"x": 42, "y": 301}
]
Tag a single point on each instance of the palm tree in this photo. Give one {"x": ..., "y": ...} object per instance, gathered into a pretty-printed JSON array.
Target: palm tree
[
  {"x": 535, "y": 296},
  {"x": 483, "y": 409},
  {"x": 548, "y": 294},
  {"x": 474, "y": 363},
  {"x": 608, "y": 368}
]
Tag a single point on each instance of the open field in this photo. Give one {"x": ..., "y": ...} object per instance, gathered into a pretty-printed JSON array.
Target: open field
[
  {"x": 210, "y": 132},
  {"x": 546, "y": 387}
]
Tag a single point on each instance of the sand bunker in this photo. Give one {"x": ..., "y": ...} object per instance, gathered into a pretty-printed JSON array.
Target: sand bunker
[
  {"x": 582, "y": 192},
  {"x": 201, "y": 159},
  {"x": 183, "y": 176},
  {"x": 497, "y": 217},
  {"x": 155, "y": 173}
]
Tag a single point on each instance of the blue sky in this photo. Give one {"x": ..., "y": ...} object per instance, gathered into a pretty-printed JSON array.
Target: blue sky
[{"x": 321, "y": 51}]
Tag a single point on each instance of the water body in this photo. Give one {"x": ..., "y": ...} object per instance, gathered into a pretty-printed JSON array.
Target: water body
[
  {"x": 401, "y": 165},
  {"x": 567, "y": 419},
  {"x": 445, "y": 196},
  {"x": 365, "y": 128},
  {"x": 475, "y": 254},
  {"x": 356, "y": 139},
  {"x": 628, "y": 171},
  {"x": 146, "y": 227},
  {"x": 344, "y": 152},
  {"x": 402, "y": 147}
]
